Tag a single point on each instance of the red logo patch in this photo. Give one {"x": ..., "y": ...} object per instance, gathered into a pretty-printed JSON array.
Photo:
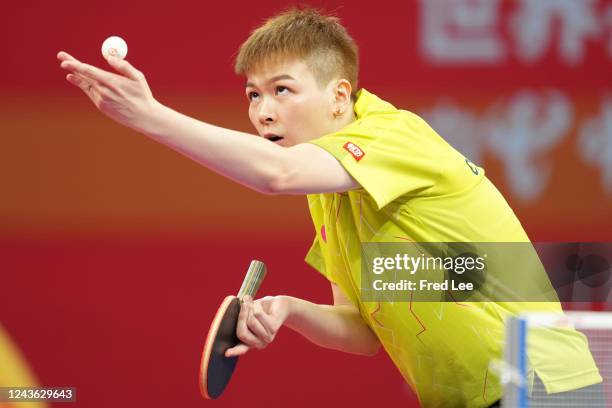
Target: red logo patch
[{"x": 354, "y": 150}]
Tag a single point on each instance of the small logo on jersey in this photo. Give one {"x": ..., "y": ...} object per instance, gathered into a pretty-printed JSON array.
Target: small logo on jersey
[
  {"x": 354, "y": 150},
  {"x": 472, "y": 166}
]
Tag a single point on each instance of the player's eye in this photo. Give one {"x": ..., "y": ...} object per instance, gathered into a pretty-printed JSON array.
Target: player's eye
[
  {"x": 281, "y": 90},
  {"x": 252, "y": 95}
]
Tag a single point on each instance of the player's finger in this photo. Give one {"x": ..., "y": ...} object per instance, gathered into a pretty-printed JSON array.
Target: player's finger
[
  {"x": 89, "y": 87},
  {"x": 266, "y": 320},
  {"x": 64, "y": 56},
  {"x": 256, "y": 327},
  {"x": 242, "y": 316},
  {"x": 256, "y": 336},
  {"x": 242, "y": 330},
  {"x": 80, "y": 82},
  {"x": 89, "y": 71},
  {"x": 236, "y": 351},
  {"x": 125, "y": 68}
]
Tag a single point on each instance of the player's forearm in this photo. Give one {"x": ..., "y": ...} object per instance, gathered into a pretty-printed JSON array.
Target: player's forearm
[
  {"x": 336, "y": 327},
  {"x": 249, "y": 160}
]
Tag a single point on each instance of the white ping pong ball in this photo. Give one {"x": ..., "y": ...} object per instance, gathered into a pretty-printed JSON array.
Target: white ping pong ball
[{"x": 114, "y": 46}]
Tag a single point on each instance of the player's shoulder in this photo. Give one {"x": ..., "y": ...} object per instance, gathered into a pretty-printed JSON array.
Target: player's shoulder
[
  {"x": 375, "y": 114},
  {"x": 377, "y": 120}
]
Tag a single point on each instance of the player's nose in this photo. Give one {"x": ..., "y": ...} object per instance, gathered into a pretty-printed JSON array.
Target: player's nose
[{"x": 266, "y": 113}]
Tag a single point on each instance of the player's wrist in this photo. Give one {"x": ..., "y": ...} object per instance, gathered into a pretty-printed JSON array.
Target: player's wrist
[
  {"x": 152, "y": 118},
  {"x": 288, "y": 306}
]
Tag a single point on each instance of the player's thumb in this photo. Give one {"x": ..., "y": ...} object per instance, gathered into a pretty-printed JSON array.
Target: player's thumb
[
  {"x": 124, "y": 68},
  {"x": 236, "y": 351}
]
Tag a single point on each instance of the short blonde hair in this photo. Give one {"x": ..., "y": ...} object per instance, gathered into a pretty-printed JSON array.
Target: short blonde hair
[{"x": 307, "y": 34}]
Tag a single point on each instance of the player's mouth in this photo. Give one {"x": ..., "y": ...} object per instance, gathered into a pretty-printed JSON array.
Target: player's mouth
[{"x": 273, "y": 138}]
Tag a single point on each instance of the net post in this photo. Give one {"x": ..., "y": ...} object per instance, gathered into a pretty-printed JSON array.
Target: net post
[{"x": 514, "y": 376}]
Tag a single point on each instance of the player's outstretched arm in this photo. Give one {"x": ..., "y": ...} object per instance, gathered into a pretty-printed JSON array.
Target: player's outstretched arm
[
  {"x": 339, "y": 326},
  {"x": 255, "y": 162}
]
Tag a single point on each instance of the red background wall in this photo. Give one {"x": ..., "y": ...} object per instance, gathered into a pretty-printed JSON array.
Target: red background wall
[{"x": 115, "y": 251}]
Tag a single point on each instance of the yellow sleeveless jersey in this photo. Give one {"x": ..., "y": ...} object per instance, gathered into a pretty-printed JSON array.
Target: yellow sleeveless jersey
[{"x": 416, "y": 187}]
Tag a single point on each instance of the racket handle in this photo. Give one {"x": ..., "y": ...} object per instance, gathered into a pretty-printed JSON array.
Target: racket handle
[{"x": 252, "y": 280}]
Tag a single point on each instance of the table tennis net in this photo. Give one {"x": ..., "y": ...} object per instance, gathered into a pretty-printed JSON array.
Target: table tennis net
[{"x": 522, "y": 386}]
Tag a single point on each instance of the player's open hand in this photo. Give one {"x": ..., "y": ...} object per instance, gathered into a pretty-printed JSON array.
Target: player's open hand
[
  {"x": 124, "y": 96},
  {"x": 258, "y": 323}
]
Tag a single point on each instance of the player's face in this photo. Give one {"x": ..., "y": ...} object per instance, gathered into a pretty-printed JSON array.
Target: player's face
[{"x": 286, "y": 104}]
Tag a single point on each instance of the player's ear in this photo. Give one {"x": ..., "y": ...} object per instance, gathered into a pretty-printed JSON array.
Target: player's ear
[{"x": 342, "y": 96}]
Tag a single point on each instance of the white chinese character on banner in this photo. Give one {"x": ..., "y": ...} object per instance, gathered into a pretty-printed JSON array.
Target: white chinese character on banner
[
  {"x": 595, "y": 142},
  {"x": 534, "y": 24},
  {"x": 522, "y": 132},
  {"x": 461, "y": 31},
  {"x": 457, "y": 126}
]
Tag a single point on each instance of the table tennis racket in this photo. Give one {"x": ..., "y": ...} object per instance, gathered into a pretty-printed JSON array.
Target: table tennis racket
[{"x": 216, "y": 369}]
